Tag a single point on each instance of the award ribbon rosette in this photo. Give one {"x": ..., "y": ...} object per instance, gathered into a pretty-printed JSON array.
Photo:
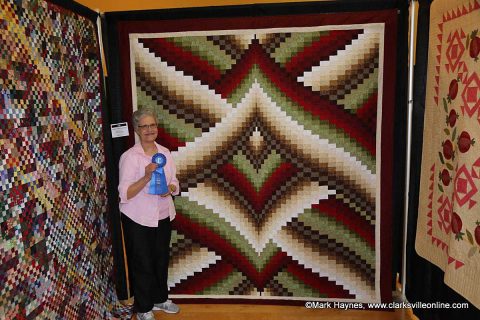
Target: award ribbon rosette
[{"x": 158, "y": 183}]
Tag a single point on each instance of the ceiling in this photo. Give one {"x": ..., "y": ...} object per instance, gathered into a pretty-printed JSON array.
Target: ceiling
[{"x": 118, "y": 5}]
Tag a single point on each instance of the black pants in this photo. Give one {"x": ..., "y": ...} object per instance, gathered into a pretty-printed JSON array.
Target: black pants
[{"x": 148, "y": 254}]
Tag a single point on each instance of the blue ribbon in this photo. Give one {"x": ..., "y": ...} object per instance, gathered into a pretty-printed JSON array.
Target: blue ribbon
[{"x": 158, "y": 183}]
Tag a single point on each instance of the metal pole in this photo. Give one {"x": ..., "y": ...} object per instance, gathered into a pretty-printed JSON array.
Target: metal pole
[{"x": 409, "y": 144}]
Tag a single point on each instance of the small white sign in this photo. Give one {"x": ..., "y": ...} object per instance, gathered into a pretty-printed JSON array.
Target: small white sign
[{"x": 119, "y": 130}]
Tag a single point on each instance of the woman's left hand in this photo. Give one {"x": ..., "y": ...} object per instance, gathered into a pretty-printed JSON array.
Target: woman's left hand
[{"x": 171, "y": 189}]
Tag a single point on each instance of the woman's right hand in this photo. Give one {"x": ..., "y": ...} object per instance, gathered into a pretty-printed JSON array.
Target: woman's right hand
[{"x": 149, "y": 170}]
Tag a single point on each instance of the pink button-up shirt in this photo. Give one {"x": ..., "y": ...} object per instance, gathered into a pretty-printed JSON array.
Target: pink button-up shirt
[{"x": 144, "y": 208}]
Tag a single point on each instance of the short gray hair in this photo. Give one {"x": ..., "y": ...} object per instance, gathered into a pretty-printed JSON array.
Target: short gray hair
[{"x": 140, "y": 113}]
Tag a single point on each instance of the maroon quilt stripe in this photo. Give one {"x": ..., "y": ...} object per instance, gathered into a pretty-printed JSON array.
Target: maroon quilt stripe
[
  {"x": 202, "y": 280},
  {"x": 368, "y": 112},
  {"x": 337, "y": 209},
  {"x": 183, "y": 60},
  {"x": 280, "y": 175},
  {"x": 169, "y": 141},
  {"x": 232, "y": 78},
  {"x": 320, "y": 50}
]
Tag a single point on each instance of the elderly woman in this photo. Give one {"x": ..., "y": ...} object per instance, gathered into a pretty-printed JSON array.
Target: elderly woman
[{"x": 146, "y": 218}]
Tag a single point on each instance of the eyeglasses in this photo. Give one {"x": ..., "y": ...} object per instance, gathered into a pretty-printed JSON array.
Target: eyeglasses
[{"x": 148, "y": 126}]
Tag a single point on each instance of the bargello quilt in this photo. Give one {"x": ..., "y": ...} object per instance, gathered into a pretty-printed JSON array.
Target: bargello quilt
[
  {"x": 448, "y": 229},
  {"x": 276, "y": 132}
]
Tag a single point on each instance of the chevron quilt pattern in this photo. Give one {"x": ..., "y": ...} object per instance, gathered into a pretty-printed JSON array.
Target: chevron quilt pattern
[{"x": 276, "y": 138}]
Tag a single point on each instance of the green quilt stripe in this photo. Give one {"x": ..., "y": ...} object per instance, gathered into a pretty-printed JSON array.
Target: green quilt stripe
[
  {"x": 206, "y": 50},
  {"x": 297, "y": 287},
  {"x": 225, "y": 285},
  {"x": 360, "y": 95},
  {"x": 174, "y": 126},
  {"x": 335, "y": 230},
  {"x": 257, "y": 178},
  {"x": 209, "y": 219},
  {"x": 244, "y": 86},
  {"x": 294, "y": 44},
  {"x": 268, "y": 252}
]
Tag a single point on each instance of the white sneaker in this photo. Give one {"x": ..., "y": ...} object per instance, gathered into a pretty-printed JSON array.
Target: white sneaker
[
  {"x": 167, "y": 306},
  {"x": 146, "y": 316}
]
